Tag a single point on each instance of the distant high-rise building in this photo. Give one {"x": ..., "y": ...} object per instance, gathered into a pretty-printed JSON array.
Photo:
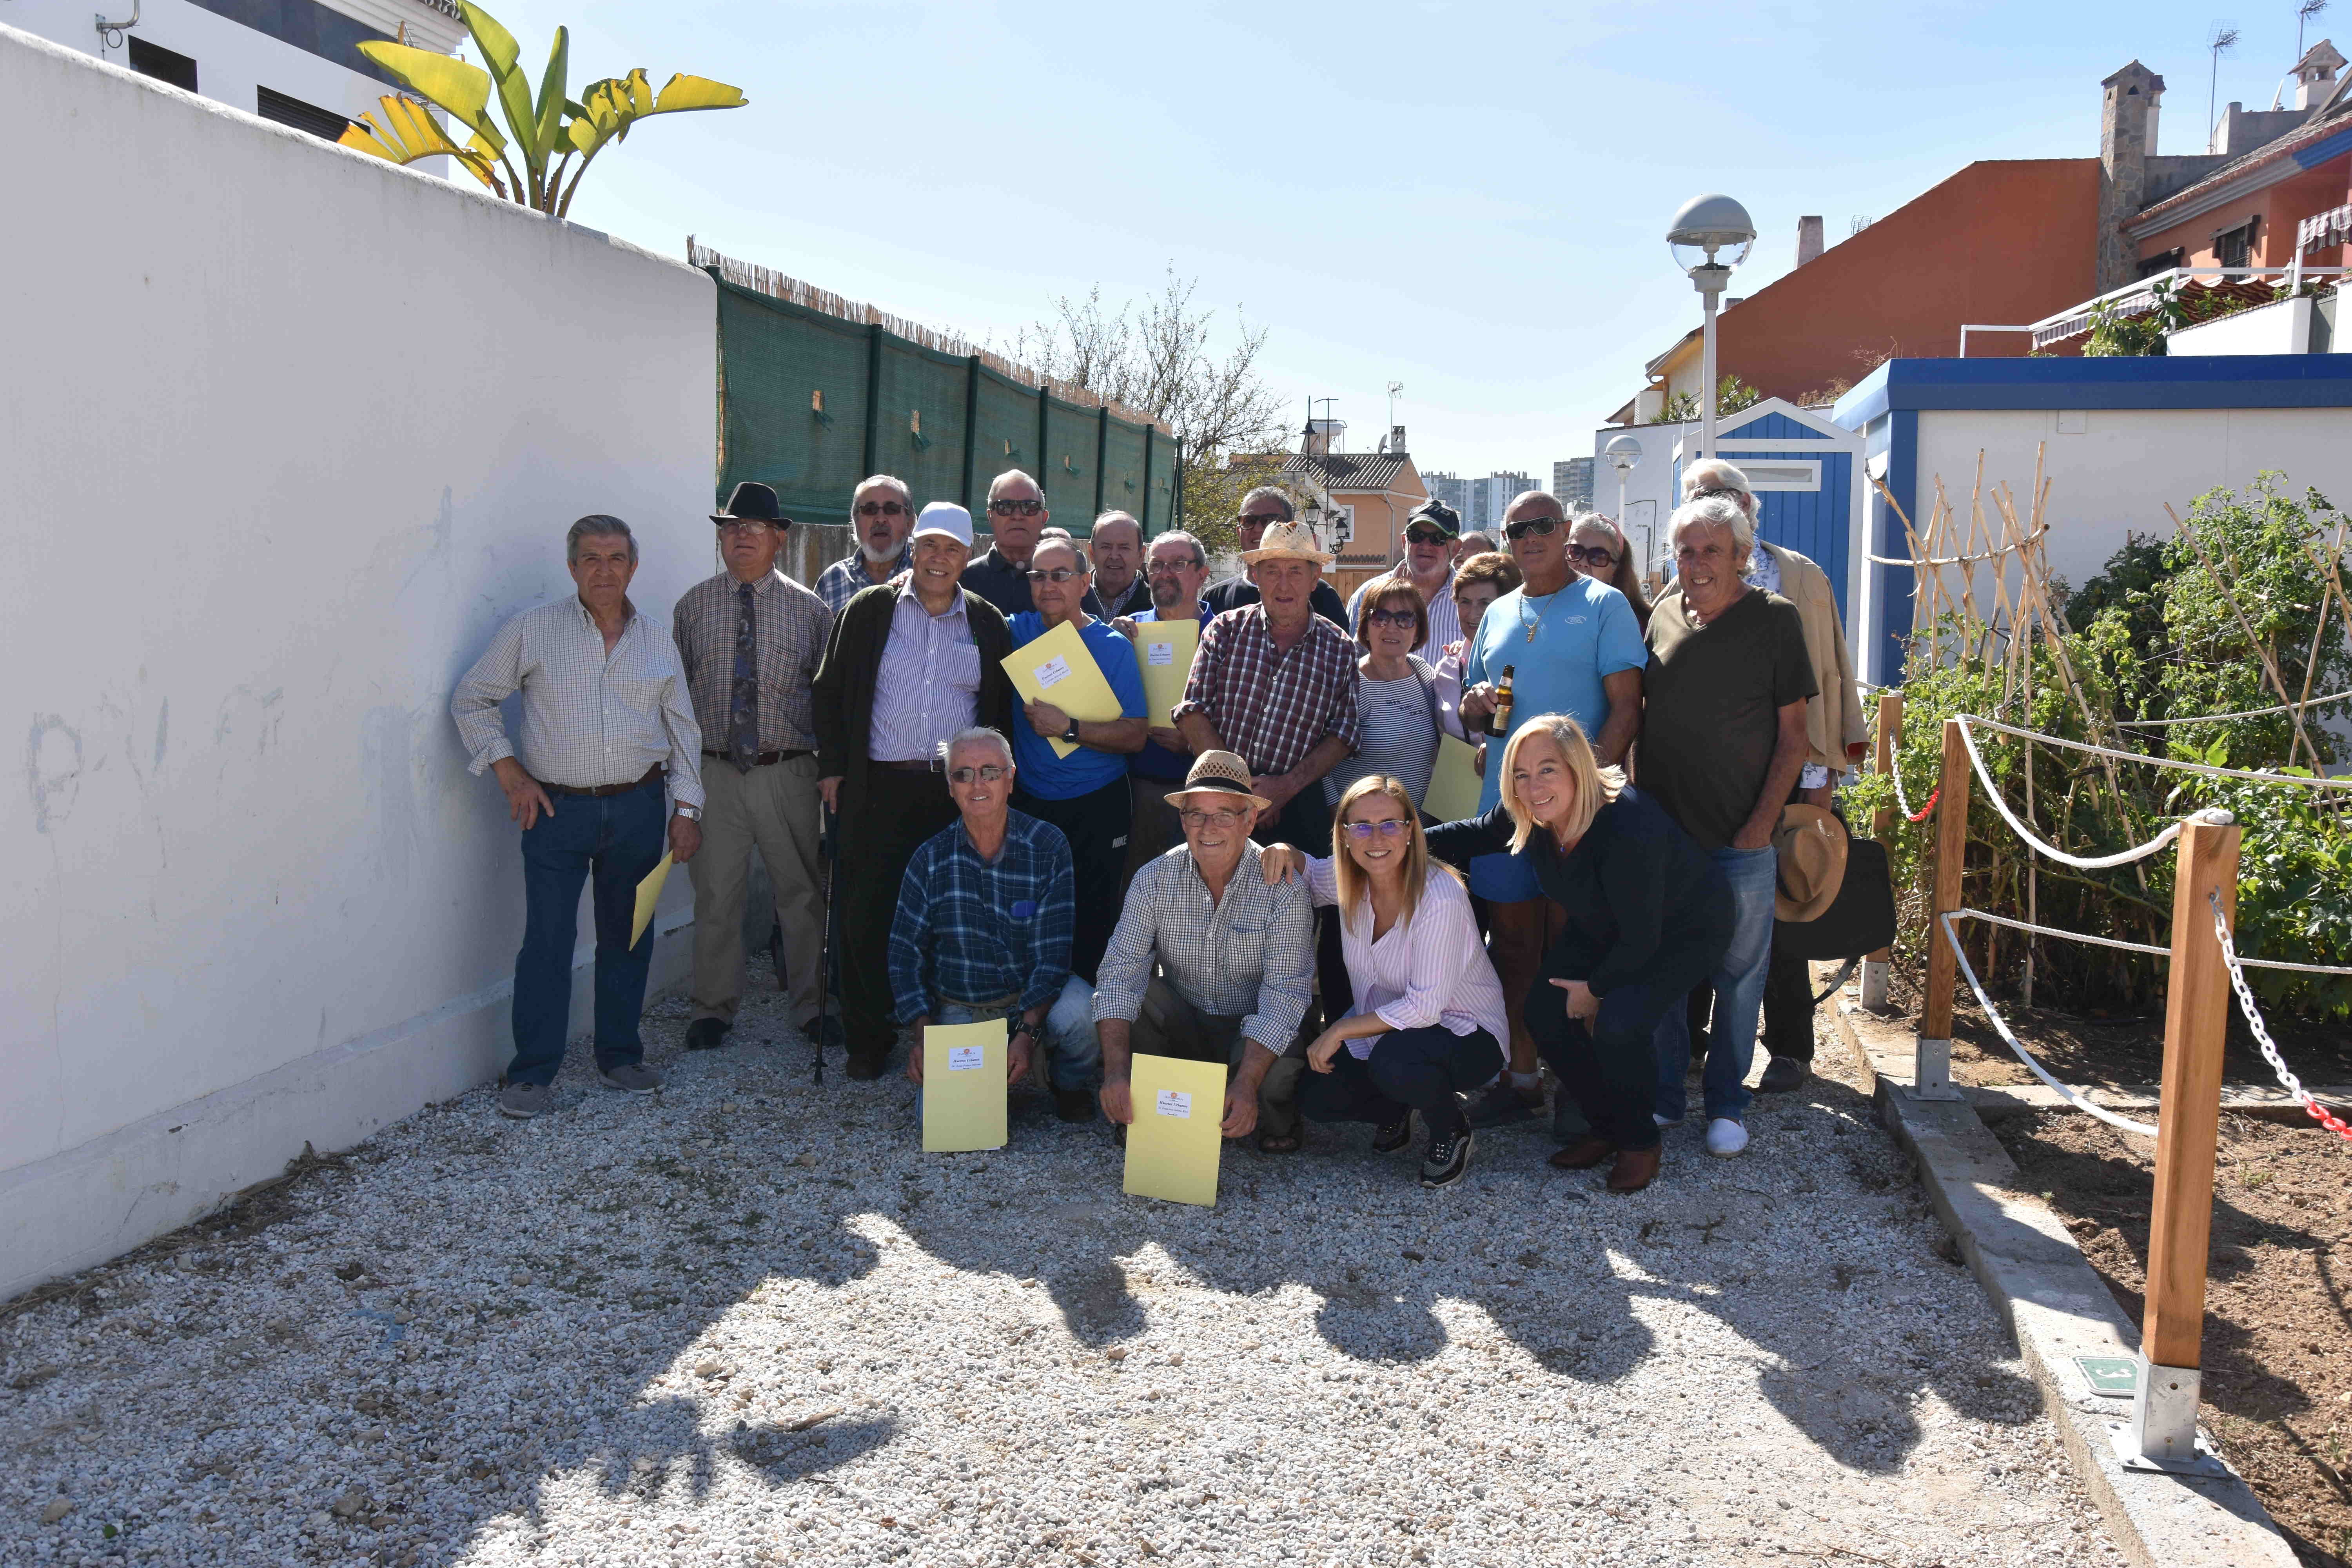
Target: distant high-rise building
[
  {"x": 1450, "y": 488},
  {"x": 1571, "y": 481},
  {"x": 1491, "y": 496}
]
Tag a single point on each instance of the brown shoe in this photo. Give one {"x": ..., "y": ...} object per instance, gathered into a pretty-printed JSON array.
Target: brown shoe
[
  {"x": 1634, "y": 1169},
  {"x": 1584, "y": 1153}
]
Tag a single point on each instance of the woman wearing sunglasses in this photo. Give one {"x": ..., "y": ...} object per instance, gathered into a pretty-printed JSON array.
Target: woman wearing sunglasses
[
  {"x": 1396, "y": 696},
  {"x": 1427, "y": 1024},
  {"x": 1597, "y": 548}
]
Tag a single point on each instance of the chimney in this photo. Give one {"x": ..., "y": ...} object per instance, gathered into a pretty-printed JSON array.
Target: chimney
[
  {"x": 2125, "y": 121},
  {"x": 2315, "y": 74},
  {"x": 1809, "y": 239},
  {"x": 1396, "y": 439}
]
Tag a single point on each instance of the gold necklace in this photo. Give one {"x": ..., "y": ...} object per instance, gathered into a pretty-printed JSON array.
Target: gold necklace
[{"x": 1536, "y": 625}]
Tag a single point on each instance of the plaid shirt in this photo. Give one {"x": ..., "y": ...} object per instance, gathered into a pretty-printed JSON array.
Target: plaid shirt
[
  {"x": 789, "y": 626},
  {"x": 589, "y": 718},
  {"x": 1249, "y": 954},
  {"x": 967, "y": 931},
  {"x": 1271, "y": 706},
  {"x": 839, "y": 582}
]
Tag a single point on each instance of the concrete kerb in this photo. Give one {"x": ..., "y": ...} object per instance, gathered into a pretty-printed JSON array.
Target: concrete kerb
[{"x": 2057, "y": 1308}]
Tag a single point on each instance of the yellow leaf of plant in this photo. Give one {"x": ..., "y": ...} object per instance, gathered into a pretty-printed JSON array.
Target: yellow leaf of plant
[
  {"x": 361, "y": 137},
  {"x": 463, "y": 90},
  {"x": 499, "y": 45},
  {"x": 683, "y": 92}
]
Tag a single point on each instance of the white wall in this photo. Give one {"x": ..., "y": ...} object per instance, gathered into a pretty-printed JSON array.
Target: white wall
[
  {"x": 1650, "y": 496},
  {"x": 285, "y": 433},
  {"x": 2281, "y": 327}
]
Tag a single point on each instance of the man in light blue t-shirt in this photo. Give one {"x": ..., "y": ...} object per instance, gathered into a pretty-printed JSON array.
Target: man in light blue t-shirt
[
  {"x": 1573, "y": 647},
  {"x": 1084, "y": 794}
]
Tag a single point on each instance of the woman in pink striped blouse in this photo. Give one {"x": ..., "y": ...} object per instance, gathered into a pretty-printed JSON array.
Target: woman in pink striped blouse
[{"x": 1429, "y": 1019}]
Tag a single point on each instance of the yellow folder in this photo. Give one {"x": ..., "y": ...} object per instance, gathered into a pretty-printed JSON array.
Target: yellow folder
[
  {"x": 1454, "y": 785},
  {"x": 1059, "y": 669},
  {"x": 1175, "y": 1142},
  {"x": 649, "y": 894},
  {"x": 963, "y": 1087},
  {"x": 1164, "y": 651}
]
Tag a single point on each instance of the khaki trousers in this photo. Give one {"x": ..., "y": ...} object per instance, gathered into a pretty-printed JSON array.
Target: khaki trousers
[{"x": 774, "y": 810}]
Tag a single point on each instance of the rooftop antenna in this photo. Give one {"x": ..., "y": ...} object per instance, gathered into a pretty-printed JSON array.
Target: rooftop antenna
[
  {"x": 2303, "y": 14},
  {"x": 2222, "y": 39},
  {"x": 1396, "y": 388}
]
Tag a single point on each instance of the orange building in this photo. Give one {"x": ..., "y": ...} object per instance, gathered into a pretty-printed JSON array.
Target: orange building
[{"x": 1378, "y": 490}]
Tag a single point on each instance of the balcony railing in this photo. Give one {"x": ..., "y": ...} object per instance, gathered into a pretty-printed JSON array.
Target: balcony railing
[{"x": 2249, "y": 284}]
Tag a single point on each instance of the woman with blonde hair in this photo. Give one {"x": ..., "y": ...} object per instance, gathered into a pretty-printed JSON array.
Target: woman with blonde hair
[
  {"x": 1648, "y": 916},
  {"x": 1428, "y": 1022}
]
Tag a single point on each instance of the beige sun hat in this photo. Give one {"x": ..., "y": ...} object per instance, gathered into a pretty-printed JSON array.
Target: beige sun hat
[
  {"x": 1811, "y": 862},
  {"x": 1286, "y": 542},
  {"x": 1218, "y": 772}
]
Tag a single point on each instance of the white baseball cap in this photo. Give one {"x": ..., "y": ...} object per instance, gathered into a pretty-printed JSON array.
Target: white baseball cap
[{"x": 944, "y": 517}]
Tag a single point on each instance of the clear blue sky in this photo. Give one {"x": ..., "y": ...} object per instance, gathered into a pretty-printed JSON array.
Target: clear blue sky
[{"x": 1466, "y": 198}]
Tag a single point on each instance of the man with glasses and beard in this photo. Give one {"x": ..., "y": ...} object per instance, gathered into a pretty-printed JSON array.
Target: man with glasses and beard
[
  {"x": 1430, "y": 534},
  {"x": 882, "y": 511},
  {"x": 1261, "y": 509},
  {"x": 1016, "y": 515}
]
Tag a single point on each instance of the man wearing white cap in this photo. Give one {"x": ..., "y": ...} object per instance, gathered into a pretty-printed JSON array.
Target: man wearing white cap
[{"x": 908, "y": 667}]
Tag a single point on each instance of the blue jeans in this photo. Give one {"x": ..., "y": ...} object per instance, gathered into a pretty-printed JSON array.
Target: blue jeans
[
  {"x": 617, "y": 839},
  {"x": 1738, "y": 997},
  {"x": 1073, "y": 1052}
]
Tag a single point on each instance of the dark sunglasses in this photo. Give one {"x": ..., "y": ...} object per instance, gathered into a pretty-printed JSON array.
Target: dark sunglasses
[
  {"x": 1592, "y": 556},
  {"x": 1397, "y": 618},
  {"x": 989, "y": 774},
  {"x": 1058, "y": 575},
  {"x": 1526, "y": 526},
  {"x": 1262, "y": 518},
  {"x": 881, "y": 509},
  {"x": 1015, "y": 507},
  {"x": 1427, "y": 536}
]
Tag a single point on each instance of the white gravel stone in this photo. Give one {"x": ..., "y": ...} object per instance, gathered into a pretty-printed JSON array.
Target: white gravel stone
[{"x": 747, "y": 1319}]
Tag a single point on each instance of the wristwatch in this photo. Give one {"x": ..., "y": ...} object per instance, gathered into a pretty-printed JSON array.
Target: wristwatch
[
  {"x": 691, "y": 812},
  {"x": 1071, "y": 734}
]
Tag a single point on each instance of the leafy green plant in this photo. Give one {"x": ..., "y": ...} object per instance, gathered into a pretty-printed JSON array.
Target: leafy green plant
[
  {"x": 1731, "y": 396},
  {"x": 546, "y": 132}
]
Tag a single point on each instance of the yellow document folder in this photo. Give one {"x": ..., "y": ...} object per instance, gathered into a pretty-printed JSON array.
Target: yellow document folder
[
  {"x": 1176, "y": 1142},
  {"x": 1059, "y": 669},
  {"x": 1454, "y": 785},
  {"x": 963, "y": 1087},
  {"x": 1164, "y": 651},
  {"x": 648, "y": 895}
]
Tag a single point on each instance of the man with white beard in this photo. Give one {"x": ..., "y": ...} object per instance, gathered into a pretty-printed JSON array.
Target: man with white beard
[{"x": 882, "y": 511}]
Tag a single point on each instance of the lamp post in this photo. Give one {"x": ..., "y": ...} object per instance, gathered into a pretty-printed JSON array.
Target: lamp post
[
  {"x": 1624, "y": 455},
  {"x": 1705, "y": 229}
]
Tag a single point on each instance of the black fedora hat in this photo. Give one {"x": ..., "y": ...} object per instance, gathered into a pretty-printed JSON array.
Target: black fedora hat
[{"x": 752, "y": 503}]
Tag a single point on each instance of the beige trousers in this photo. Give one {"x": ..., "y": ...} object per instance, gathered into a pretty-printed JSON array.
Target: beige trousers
[{"x": 774, "y": 810}]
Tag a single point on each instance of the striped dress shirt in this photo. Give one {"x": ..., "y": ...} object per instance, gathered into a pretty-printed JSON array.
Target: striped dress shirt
[
  {"x": 1250, "y": 954},
  {"x": 1444, "y": 615},
  {"x": 972, "y": 931},
  {"x": 1268, "y": 706},
  {"x": 1432, "y": 969},
  {"x": 789, "y": 628},
  {"x": 589, "y": 718},
  {"x": 840, "y": 583}
]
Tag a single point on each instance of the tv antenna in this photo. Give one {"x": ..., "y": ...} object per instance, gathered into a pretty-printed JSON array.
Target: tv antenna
[
  {"x": 2220, "y": 42},
  {"x": 1396, "y": 388}
]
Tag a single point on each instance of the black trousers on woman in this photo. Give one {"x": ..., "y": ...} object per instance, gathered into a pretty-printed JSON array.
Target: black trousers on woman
[
  {"x": 1608, "y": 1063},
  {"x": 1417, "y": 1069}
]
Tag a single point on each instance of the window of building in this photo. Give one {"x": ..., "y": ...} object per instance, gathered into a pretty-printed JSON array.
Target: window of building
[
  {"x": 2235, "y": 247},
  {"x": 2162, "y": 261},
  {"x": 287, "y": 110},
  {"x": 163, "y": 64}
]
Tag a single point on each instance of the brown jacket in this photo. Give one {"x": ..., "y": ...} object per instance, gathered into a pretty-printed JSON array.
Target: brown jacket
[{"x": 1834, "y": 726}]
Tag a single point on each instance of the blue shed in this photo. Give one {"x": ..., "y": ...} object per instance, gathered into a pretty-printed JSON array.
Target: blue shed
[{"x": 1807, "y": 473}]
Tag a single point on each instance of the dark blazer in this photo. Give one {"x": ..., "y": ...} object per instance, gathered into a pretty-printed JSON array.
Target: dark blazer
[{"x": 853, "y": 655}]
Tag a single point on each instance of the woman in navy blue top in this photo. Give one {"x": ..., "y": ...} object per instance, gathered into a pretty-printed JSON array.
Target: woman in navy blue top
[{"x": 1648, "y": 917}]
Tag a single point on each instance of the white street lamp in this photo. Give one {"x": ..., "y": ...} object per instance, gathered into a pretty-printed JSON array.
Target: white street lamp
[
  {"x": 1709, "y": 236},
  {"x": 1624, "y": 455}
]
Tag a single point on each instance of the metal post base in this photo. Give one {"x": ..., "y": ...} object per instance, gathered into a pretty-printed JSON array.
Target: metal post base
[
  {"x": 1931, "y": 1071},
  {"x": 2162, "y": 1432},
  {"x": 1873, "y": 984}
]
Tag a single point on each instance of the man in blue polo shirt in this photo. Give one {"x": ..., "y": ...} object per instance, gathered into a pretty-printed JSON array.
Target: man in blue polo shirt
[
  {"x": 1573, "y": 647},
  {"x": 1084, "y": 794}
]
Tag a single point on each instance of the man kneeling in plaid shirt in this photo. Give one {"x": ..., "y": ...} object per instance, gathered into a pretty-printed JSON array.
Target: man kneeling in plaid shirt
[{"x": 983, "y": 928}]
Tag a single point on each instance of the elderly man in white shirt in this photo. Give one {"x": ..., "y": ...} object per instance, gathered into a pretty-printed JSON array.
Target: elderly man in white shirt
[{"x": 604, "y": 714}]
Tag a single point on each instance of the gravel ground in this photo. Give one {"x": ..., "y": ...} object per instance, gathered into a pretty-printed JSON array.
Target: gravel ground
[{"x": 747, "y": 1320}]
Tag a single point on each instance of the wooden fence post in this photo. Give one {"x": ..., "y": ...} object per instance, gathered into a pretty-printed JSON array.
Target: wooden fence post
[
  {"x": 1882, "y": 827},
  {"x": 2163, "y": 1430},
  {"x": 1931, "y": 1071}
]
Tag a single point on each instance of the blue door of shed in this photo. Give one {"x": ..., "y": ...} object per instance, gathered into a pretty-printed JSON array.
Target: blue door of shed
[{"x": 1803, "y": 469}]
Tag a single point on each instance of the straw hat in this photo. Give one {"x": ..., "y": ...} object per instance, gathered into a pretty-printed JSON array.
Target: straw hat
[
  {"x": 1809, "y": 846},
  {"x": 1286, "y": 542},
  {"x": 1218, "y": 772}
]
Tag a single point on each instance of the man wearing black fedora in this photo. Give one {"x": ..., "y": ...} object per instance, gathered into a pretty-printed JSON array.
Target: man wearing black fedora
[{"x": 752, "y": 638}]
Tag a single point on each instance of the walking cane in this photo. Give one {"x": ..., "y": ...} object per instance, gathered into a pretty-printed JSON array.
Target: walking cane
[{"x": 829, "y": 850}]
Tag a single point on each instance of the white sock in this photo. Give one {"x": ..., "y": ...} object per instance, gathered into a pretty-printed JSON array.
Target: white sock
[{"x": 1527, "y": 1081}]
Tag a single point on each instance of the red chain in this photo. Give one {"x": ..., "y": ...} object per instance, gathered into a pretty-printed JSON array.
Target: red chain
[
  {"x": 1921, "y": 814},
  {"x": 2326, "y": 1119}
]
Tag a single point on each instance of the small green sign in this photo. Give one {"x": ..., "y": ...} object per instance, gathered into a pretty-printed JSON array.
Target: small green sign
[{"x": 2116, "y": 1376}]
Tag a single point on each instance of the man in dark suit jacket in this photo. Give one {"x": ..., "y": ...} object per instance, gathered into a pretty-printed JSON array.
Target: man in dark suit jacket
[{"x": 908, "y": 665}]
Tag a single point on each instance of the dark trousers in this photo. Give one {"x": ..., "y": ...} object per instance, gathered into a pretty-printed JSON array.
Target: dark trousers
[
  {"x": 1169, "y": 1026},
  {"x": 1095, "y": 824},
  {"x": 1418, "y": 1069},
  {"x": 1788, "y": 1007},
  {"x": 879, "y": 834},
  {"x": 1609, "y": 1064},
  {"x": 615, "y": 839},
  {"x": 1306, "y": 823}
]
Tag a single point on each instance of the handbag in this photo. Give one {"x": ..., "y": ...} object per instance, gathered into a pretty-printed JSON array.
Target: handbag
[{"x": 1860, "y": 919}]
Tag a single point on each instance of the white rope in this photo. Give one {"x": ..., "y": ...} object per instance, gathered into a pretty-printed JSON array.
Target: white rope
[
  {"x": 1895, "y": 772},
  {"x": 2253, "y": 1016},
  {"x": 2218, "y": 717},
  {"x": 2068, "y": 935},
  {"x": 2001, "y": 554},
  {"x": 2051, "y": 852},
  {"x": 1968, "y": 719},
  {"x": 2098, "y": 1111}
]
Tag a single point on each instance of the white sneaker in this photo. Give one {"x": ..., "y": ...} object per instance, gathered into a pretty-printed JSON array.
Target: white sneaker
[{"x": 1726, "y": 1137}]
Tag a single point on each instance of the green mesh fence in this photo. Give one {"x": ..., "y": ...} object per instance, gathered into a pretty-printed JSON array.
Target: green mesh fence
[{"x": 811, "y": 404}]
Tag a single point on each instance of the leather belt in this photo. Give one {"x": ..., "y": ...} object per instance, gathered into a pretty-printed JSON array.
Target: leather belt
[
  {"x": 924, "y": 766},
  {"x": 602, "y": 790},
  {"x": 764, "y": 760}
]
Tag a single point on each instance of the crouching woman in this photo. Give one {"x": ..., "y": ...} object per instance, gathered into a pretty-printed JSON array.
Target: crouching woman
[{"x": 1648, "y": 917}]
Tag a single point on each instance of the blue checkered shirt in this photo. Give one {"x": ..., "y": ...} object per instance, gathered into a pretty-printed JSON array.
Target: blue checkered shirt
[
  {"x": 839, "y": 582},
  {"x": 969, "y": 930}
]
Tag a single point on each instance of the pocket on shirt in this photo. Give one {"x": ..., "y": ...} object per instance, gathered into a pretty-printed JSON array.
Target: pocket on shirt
[
  {"x": 962, "y": 662},
  {"x": 1244, "y": 945}
]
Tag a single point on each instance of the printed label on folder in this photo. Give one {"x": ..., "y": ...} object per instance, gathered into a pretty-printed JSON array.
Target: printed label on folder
[
  {"x": 1175, "y": 1102},
  {"x": 963, "y": 1059},
  {"x": 1053, "y": 672},
  {"x": 1160, "y": 653}
]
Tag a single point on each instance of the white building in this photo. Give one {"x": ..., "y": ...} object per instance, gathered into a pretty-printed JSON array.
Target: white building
[{"x": 294, "y": 61}]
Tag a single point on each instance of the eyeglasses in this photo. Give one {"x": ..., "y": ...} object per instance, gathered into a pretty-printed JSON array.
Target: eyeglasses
[
  {"x": 1218, "y": 818},
  {"x": 1261, "y": 518},
  {"x": 989, "y": 773},
  {"x": 1592, "y": 556},
  {"x": 744, "y": 525},
  {"x": 1015, "y": 507},
  {"x": 1360, "y": 831},
  {"x": 1426, "y": 536},
  {"x": 1058, "y": 575},
  {"x": 1172, "y": 568},
  {"x": 881, "y": 509},
  {"x": 1529, "y": 525},
  {"x": 1404, "y": 620}
]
